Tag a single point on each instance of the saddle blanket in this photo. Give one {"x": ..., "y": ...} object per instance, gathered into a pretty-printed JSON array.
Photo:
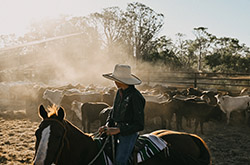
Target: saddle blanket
[{"x": 151, "y": 146}]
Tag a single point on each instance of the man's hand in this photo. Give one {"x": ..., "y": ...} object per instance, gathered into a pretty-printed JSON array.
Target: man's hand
[
  {"x": 112, "y": 130},
  {"x": 109, "y": 130},
  {"x": 102, "y": 129}
]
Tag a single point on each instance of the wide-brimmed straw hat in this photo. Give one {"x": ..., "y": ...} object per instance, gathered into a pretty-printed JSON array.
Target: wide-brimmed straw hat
[{"x": 122, "y": 73}]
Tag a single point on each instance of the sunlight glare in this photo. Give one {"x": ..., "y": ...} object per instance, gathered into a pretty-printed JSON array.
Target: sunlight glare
[{"x": 16, "y": 15}]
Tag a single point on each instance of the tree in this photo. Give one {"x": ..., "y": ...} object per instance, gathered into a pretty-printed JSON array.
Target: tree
[
  {"x": 202, "y": 43},
  {"x": 184, "y": 50},
  {"x": 229, "y": 56},
  {"x": 161, "y": 53},
  {"x": 142, "y": 26},
  {"x": 110, "y": 23}
]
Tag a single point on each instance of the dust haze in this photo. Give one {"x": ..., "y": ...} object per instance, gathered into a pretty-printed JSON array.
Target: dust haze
[
  {"x": 68, "y": 61},
  {"x": 56, "y": 63}
]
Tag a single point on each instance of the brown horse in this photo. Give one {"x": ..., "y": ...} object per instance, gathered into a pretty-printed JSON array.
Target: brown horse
[{"x": 60, "y": 142}]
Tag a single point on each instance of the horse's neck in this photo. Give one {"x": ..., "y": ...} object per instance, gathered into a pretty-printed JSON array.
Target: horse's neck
[
  {"x": 76, "y": 134},
  {"x": 80, "y": 144}
]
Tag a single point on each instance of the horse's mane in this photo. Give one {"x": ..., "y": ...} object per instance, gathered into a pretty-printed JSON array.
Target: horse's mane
[
  {"x": 52, "y": 110},
  {"x": 77, "y": 129}
]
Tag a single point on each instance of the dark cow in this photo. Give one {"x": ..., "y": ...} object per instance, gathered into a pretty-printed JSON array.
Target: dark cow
[
  {"x": 90, "y": 113},
  {"x": 209, "y": 97},
  {"x": 194, "y": 91},
  {"x": 159, "y": 109},
  {"x": 200, "y": 111},
  {"x": 103, "y": 115},
  {"x": 81, "y": 97}
]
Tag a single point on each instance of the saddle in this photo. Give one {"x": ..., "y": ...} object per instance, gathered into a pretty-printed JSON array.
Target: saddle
[{"x": 146, "y": 147}]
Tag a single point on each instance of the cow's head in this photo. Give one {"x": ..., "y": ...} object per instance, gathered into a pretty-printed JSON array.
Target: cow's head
[{"x": 219, "y": 98}]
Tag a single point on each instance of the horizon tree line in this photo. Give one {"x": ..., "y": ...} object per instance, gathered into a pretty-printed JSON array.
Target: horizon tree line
[{"x": 133, "y": 34}]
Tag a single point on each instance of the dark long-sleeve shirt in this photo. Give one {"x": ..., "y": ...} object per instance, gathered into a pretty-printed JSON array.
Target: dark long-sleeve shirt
[{"x": 128, "y": 111}]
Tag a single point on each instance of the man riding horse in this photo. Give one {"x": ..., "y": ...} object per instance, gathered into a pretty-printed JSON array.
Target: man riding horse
[{"x": 126, "y": 118}]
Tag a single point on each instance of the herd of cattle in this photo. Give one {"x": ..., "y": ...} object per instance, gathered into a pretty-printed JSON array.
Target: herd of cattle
[{"x": 165, "y": 106}]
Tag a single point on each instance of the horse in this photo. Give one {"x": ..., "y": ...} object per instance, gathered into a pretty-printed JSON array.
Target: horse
[{"x": 60, "y": 142}]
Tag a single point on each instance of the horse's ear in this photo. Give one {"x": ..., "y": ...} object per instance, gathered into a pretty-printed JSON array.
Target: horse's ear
[
  {"x": 60, "y": 113},
  {"x": 42, "y": 112}
]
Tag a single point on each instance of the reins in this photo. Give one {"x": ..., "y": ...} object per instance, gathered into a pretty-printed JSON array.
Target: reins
[
  {"x": 95, "y": 134},
  {"x": 101, "y": 150}
]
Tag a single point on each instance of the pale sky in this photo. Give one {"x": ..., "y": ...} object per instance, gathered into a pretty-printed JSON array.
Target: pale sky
[{"x": 223, "y": 18}]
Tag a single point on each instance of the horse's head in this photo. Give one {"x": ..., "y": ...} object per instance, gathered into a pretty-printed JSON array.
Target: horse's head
[{"x": 50, "y": 136}]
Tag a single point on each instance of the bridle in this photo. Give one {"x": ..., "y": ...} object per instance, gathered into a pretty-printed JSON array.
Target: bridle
[{"x": 64, "y": 138}]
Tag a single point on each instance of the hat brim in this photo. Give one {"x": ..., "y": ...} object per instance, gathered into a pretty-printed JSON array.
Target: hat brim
[{"x": 133, "y": 80}]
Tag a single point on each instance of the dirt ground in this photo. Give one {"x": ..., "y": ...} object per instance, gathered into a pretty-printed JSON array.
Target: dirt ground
[{"x": 229, "y": 145}]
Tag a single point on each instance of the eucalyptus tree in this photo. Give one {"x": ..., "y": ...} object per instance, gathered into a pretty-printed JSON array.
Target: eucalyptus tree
[
  {"x": 184, "y": 50},
  {"x": 142, "y": 26},
  {"x": 161, "y": 54},
  {"x": 202, "y": 43},
  {"x": 229, "y": 56},
  {"x": 229, "y": 45},
  {"x": 110, "y": 24}
]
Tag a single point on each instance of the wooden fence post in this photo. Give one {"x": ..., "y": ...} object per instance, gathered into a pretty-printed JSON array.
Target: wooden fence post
[{"x": 195, "y": 80}]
